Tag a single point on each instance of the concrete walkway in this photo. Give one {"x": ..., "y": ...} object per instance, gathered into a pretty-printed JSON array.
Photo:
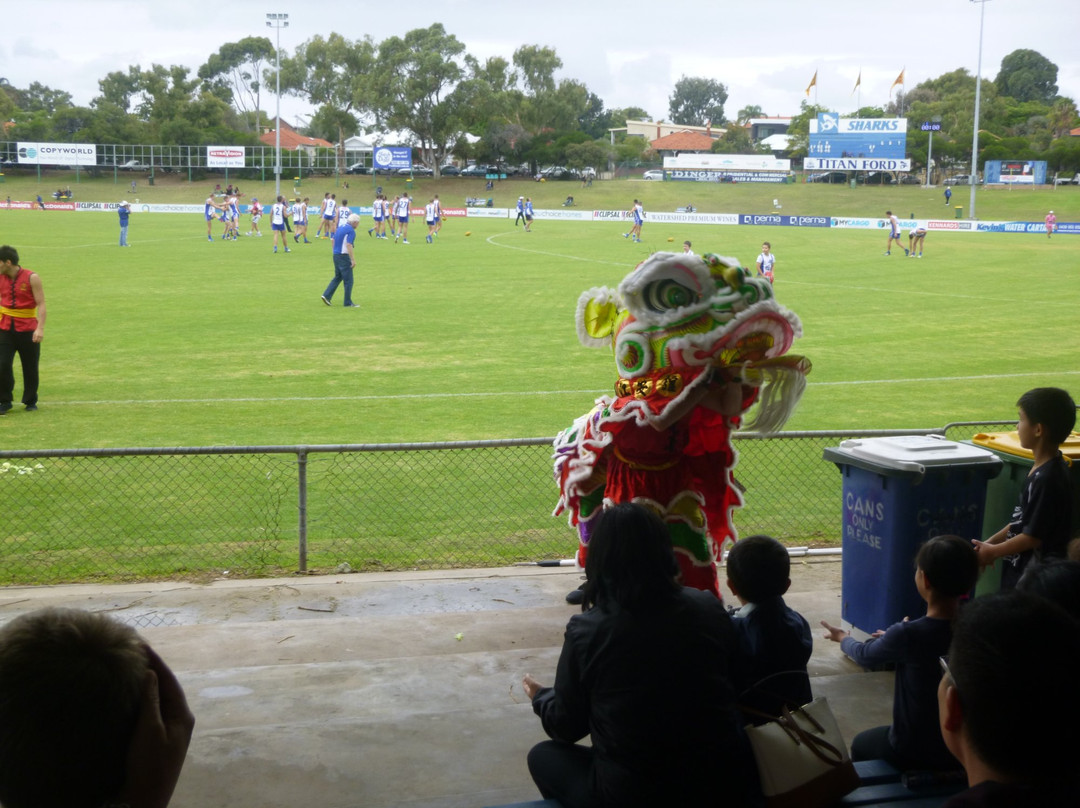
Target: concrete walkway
[{"x": 387, "y": 689}]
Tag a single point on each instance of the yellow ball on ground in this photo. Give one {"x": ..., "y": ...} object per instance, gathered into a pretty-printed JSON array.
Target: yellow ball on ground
[
  {"x": 468, "y": 232},
  {"x": 671, "y": 238}
]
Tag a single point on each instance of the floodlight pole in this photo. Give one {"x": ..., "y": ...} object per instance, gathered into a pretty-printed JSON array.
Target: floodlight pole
[
  {"x": 277, "y": 21},
  {"x": 978, "y": 95}
]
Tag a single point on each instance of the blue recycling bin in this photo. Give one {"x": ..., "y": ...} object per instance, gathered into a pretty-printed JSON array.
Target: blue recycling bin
[{"x": 899, "y": 492}]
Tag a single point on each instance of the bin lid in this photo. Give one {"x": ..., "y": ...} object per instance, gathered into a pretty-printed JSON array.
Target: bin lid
[
  {"x": 1009, "y": 443},
  {"x": 914, "y": 453}
]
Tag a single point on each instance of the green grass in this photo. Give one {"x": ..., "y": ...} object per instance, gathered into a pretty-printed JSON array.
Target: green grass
[{"x": 179, "y": 342}]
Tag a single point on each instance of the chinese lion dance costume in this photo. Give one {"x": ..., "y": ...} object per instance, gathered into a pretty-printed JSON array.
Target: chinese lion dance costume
[{"x": 698, "y": 342}]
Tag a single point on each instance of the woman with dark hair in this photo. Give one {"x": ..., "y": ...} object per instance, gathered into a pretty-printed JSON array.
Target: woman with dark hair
[{"x": 645, "y": 670}]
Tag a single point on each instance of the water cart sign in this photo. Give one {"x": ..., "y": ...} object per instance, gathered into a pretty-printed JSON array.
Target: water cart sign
[
  {"x": 225, "y": 156},
  {"x": 834, "y": 137},
  {"x": 57, "y": 154}
]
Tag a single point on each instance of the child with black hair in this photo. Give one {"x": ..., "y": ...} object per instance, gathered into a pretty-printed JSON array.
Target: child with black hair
[
  {"x": 1039, "y": 529},
  {"x": 774, "y": 640},
  {"x": 946, "y": 569}
]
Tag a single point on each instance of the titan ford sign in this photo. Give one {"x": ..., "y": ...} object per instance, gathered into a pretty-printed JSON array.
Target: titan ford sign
[
  {"x": 57, "y": 154},
  {"x": 785, "y": 221},
  {"x": 224, "y": 156},
  {"x": 855, "y": 164}
]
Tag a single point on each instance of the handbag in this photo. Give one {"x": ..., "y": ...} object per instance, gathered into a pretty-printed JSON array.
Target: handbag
[{"x": 801, "y": 757}]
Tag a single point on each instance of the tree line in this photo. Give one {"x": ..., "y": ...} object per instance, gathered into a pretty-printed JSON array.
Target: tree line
[{"x": 511, "y": 110}]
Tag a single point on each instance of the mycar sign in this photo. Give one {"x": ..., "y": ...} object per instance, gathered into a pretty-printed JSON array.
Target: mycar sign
[
  {"x": 57, "y": 154},
  {"x": 835, "y": 137}
]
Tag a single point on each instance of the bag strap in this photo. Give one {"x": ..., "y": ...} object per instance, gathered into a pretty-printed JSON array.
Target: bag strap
[{"x": 821, "y": 748}]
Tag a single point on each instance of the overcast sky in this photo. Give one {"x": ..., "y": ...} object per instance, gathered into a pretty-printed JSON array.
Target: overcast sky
[{"x": 764, "y": 51}]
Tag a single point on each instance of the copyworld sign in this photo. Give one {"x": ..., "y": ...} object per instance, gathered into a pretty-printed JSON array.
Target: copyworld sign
[{"x": 57, "y": 154}]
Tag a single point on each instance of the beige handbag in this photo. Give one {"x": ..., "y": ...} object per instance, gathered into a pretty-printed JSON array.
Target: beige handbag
[{"x": 802, "y": 759}]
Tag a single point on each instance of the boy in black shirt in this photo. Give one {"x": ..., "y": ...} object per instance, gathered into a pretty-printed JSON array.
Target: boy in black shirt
[{"x": 1040, "y": 524}]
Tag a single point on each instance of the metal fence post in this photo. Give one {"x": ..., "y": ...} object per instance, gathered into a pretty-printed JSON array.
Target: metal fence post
[{"x": 301, "y": 478}]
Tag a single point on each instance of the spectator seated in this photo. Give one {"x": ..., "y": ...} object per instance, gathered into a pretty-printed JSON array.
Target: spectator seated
[
  {"x": 569, "y": 202},
  {"x": 478, "y": 202}
]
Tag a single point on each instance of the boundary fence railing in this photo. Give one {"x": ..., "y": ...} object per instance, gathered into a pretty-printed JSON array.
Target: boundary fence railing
[{"x": 254, "y": 511}]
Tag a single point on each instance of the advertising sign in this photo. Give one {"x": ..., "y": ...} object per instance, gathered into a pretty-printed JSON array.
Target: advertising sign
[
  {"x": 729, "y": 162},
  {"x": 855, "y": 164},
  {"x": 833, "y": 136},
  {"x": 776, "y": 219},
  {"x": 1015, "y": 172},
  {"x": 699, "y": 175},
  {"x": 224, "y": 156},
  {"x": 57, "y": 154},
  {"x": 392, "y": 157}
]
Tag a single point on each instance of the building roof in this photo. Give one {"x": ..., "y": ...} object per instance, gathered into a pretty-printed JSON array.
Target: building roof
[
  {"x": 291, "y": 139},
  {"x": 683, "y": 141},
  {"x": 1075, "y": 132}
]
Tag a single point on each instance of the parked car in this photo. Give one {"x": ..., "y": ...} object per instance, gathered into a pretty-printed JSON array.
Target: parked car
[
  {"x": 478, "y": 171},
  {"x": 959, "y": 179},
  {"x": 828, "y": 176},
  {"x": 653, "y": 174},
  {"x": 875, "y": 178},
  {"x": 449, "y": 170},
  {"x": 415, "y": 171},
  {"x": 133, "y": 165},
  {"x": 910, "y": 179},
  {"x": 558, "y": 173},
  {"x": 358, "y": 168},
  {"x": 1074, "y": 180}
]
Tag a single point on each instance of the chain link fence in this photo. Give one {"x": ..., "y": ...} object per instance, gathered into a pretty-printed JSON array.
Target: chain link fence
[{"x": 201, "y": 513}]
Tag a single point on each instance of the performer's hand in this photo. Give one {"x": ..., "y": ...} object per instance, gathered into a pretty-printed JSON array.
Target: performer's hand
[{"x": 530, "y": 685}]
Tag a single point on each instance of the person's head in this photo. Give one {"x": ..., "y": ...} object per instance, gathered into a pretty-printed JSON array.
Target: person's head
[
  {"x": 1046, "y": 413},
  {"x": 70, "y": 687},
  {"x": 1057, "y": 581},
  {"x": 306, "y": 200},
  {"x": 888, "y": 213},
  {"x": 1011, "y": 679},
  {"x": 686, "y": 245},
  {"x": 948, "y": 565},
  {"x": 354, "y": 219},
  {"x": 280, "y": 199},
  {"x": 630, "y": 560},
  {"x": 765, "y": 247},
  {"x": 758, "y": 569},
  {"x": 9, "y": 257}
]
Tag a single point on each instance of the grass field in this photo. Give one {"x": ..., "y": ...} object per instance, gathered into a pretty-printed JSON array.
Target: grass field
[
  {"x": 179, "y": 342},
  {"x": 176, "y": 341}
]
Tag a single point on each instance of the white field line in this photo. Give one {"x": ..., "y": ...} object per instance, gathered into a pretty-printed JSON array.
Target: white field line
[{"x": 530, "y": 393}]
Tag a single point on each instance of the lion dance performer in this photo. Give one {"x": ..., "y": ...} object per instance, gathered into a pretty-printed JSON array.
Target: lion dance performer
[{"x": 697, "y": 343}]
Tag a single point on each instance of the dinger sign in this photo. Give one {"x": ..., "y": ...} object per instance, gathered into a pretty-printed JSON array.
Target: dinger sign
[{"x": 224, "y": 156}]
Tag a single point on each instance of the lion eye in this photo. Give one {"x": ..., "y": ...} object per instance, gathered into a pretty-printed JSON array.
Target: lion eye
[{"x": 667, "y": 294}]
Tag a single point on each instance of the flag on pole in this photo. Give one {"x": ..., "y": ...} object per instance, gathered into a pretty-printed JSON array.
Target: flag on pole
[
  {"x": 899, "y": 80},
  {"x": 858, "y": 81},
  {"x": 812, "y": 84}
]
